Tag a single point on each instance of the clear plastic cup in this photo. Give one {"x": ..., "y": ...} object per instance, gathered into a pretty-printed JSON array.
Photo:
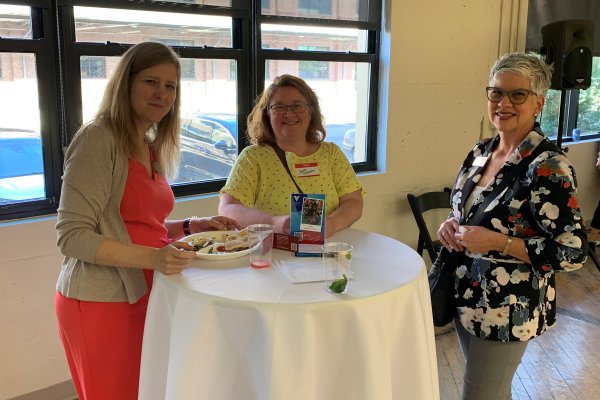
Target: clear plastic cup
[
  {"x": 262, "y": 236},
  {"x": 337, "y": 258}
]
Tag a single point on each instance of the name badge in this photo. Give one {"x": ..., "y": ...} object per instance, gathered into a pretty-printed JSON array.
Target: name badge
[
  {"x": 306, "y": 170},
  {"x": 480, "y": 161}
]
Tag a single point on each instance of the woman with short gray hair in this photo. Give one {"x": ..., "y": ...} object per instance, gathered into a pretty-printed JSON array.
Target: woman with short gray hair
[{"x": 529, "y": 227}]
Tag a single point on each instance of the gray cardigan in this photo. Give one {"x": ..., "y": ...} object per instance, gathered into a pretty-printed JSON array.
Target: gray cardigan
[{"x": 89, "y": 211}]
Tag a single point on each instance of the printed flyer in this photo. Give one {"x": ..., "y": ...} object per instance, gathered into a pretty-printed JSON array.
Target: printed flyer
[{"x": 307, "y": 222}]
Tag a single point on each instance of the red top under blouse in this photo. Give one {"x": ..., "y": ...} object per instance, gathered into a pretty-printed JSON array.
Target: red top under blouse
[{"x": 147, "y": 202}]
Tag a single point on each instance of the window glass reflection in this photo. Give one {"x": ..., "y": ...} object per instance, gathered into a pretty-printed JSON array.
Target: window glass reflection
[
  {"x": 298, "y": 37},
  {"x": 15, "y": 22},
  {"x": 130, "y": 26},
  {"x": 349, "y": 10},
  {"x": 21, "y": 157}
]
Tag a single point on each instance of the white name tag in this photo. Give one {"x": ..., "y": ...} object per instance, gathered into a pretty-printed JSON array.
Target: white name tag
[
  {"x": 308, "y": 169},
  {"x": 480, "y": 161}
]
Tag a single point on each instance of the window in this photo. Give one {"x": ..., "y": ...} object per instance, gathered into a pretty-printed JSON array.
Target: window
[
  {"x": 30, "y": 163},
  {"x": 342, "y": 68},
  {"x": 322, "y": 7},
  {"x": 313, "y": 69},
  {"x": 93, "y": 67},
  {"x": 188, "y": 67},
  {"x": 50, "y": 87},
  {"x": 581, "y": 108}
]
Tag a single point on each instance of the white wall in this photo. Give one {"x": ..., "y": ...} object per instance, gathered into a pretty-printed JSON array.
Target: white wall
[{"x": 433, "y": 109}]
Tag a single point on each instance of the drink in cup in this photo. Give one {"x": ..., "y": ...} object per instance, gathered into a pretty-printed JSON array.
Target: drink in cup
[
  {"x": 262, "y": 237},
  {"x": 337, "y": 257}
]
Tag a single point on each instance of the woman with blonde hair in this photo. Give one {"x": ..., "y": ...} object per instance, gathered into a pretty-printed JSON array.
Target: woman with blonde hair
[{"x": 112, "y": 227}]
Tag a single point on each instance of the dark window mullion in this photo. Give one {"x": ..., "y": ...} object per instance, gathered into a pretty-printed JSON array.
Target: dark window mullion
[
  {"x": 49, "y": 104},
  {"x": 285, "y": 20},
  {"x": 279, "y": 54},
  {"x": 70, "y": 73}
]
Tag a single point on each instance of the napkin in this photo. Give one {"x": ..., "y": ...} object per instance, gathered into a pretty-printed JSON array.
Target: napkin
[{"x": 301, "y": 270}]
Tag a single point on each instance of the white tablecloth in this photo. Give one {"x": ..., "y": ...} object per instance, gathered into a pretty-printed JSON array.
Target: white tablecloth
[{"x": 222, "y": 330}]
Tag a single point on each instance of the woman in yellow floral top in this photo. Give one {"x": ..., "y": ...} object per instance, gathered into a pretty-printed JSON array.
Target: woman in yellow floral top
[
  {"x": 287, "y": 115},
  {"x": 505, "y": 283}
]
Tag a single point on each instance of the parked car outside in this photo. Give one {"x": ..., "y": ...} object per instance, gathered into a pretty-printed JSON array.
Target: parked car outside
[
  {"x": 208, "y": 151},
  {"x": 348, "y": 143},
  {"x": 343, "y": 136},
  {"x": 208, "y": 147},
  {"x": 21, "y": 166}
]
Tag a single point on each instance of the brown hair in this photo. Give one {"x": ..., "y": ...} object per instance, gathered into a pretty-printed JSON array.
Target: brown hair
[
  {"x": 260, "y": 130},
  {"x": 115, "y": 109}
]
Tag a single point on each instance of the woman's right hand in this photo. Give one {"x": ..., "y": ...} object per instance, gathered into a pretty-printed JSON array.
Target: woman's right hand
[
  {"x": 281, "y": 224},
  {"x": 446, "y": 235},
  {"x": 173, "y": 258}
]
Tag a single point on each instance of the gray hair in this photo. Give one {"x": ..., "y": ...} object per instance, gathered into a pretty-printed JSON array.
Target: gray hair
[{"x": 530, "y": 66}]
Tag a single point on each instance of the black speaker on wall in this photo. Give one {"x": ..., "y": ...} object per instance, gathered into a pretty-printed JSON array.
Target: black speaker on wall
[{"x": 568, "y": 46}]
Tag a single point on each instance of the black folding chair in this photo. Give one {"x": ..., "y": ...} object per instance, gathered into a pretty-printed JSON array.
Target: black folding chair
[{"x": 419, "y": 206}]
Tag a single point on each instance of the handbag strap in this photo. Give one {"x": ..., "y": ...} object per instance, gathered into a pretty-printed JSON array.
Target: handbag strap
[
  {"x": 281, "y": 154},
  {"x": 507, "y": 180}
]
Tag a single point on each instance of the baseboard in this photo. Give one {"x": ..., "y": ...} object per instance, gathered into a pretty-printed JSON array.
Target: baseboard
[{"x": 61, "y": 391}]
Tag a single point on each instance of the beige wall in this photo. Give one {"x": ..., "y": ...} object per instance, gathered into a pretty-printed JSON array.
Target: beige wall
[{"x": 432, "y": 111}]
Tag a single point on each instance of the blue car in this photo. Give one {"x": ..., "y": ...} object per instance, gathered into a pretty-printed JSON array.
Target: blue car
[{"x": 21, "y": 166}]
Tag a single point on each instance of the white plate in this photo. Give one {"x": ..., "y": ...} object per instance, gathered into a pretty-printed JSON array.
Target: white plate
[{"x": 218, "y": 236}]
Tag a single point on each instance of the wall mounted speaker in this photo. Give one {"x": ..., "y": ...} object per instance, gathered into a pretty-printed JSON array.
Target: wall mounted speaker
[{"x": 568, "y": 46}]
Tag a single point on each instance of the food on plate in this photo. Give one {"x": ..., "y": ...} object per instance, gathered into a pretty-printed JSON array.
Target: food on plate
[
  {"x": 222, "y": 242},
  {"x": 201, "y": 242}
]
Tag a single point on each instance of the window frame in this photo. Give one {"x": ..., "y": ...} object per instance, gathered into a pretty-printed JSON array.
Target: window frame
[
  {"x": 567, "y": 121},
  {"x": 371, "y": 57},
  {"x": 60, "y": 104},
  {"x": 44, "y": 47}
]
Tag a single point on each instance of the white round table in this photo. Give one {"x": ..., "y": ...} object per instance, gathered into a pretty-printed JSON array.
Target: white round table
[{"x": 222, "y": 330}]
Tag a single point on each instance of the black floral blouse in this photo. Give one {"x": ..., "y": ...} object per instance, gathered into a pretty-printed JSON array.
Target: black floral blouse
[{"x": 511, "y": 300}]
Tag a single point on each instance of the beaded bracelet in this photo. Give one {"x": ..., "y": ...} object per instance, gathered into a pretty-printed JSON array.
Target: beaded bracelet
[{"x": 186, "y": 226}]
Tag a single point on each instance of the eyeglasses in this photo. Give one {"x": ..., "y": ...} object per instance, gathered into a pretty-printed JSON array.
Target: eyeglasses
[
  {"x": 280, "y": 109},
  {"x": 517, "y": 96}
]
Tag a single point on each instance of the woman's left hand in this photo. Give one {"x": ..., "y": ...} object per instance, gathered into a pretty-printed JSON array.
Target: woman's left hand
[
  {"x": 216, "y": 223},
  {"x": 478, "y": 239}
]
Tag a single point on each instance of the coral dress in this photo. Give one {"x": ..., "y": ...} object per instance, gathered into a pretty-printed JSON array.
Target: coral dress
[{"x": 103, "y": 341}]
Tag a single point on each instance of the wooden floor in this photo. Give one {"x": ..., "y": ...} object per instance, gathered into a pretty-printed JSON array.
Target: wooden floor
[{"x": 563, "y": 363}]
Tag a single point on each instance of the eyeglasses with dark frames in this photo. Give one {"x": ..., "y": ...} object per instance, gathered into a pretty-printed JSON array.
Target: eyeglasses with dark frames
[
  {"x": 517, "y": 96},
  {"x": 280, "y": 109}
]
